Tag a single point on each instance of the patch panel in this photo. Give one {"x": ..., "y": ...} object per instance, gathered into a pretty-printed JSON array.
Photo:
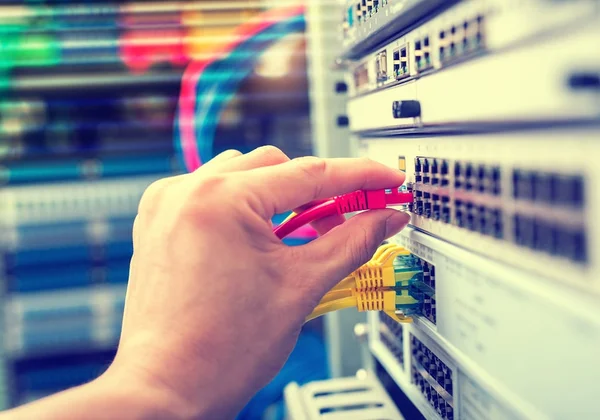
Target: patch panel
[
  {"x": 497, "y": 195},
  {"x": 433, "y": 378},
  {"x": 480, "y": 305},
  {"x": 391, "y": 336}
]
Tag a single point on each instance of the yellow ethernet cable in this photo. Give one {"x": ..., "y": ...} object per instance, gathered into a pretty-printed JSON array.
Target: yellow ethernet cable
[{"x": 376, "y": 286}]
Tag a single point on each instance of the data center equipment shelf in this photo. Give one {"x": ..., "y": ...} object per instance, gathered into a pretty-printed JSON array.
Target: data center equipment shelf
[
  {"x": 481, "y": 345},
  {"x": 491, "y": 108}
]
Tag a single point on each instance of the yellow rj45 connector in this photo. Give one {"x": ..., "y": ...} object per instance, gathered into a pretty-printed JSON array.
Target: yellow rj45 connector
[{"x": 382, "y": 284}]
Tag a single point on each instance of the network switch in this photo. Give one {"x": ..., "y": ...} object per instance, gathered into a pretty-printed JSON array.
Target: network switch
[
  {"x": 367, "y": 23},
  {"x": 503, "y": 196},
  {"x": 475, "y": 357},
  {"x": 449, "y": 93}
]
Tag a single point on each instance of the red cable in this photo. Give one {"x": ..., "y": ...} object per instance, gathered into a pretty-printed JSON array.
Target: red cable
[
  {"x": 348, "y": 203},
  {"x": 187, "y": 97},
  {"x": 317, "y": 212}
]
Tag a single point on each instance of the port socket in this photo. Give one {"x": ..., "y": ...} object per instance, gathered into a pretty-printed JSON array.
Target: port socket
[
  {"x": 381, "y": 66},
  {"x": 401, "y": 66},
  {"x": 361, "y": 77}
]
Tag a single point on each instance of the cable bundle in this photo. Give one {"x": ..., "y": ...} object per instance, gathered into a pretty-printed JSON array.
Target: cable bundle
[
  {"x": 208, "y": 86},
  {"x": 390, "y": 282}
]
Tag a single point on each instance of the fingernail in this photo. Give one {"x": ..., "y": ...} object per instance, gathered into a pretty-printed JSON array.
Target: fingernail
[{"x": 395, "y": 223}]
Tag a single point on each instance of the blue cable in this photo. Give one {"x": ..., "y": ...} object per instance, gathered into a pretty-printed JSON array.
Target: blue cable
[{"x": 221, "y": 80}]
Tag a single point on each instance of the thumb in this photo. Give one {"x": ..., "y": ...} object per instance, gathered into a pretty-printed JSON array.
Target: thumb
[{"x": 351, "y": 244}]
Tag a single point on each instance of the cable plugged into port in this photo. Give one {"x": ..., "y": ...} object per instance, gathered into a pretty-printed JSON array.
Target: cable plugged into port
[{"x": 392, "y": 282}]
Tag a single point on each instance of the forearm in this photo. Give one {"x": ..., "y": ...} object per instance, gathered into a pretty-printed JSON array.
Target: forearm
[{"x": 109, "y": 397}]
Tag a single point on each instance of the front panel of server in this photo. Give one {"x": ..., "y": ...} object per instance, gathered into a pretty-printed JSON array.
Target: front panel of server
[{"x": 492, "y": 109}]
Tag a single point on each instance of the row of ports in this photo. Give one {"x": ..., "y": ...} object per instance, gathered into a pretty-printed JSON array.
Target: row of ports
[
  {"x": 401, "y": 63},
  {"x": 460, "y": 40},
  {"x": 487, "y": 221},
  {"x": 392, "y": 325},
  {"x": 439, "y": 404},
  {"x": 467, "y": 175},
  {"x": 423, "y": 58},
  {"x": 550, "y": 238},
  {"x": 432, "y": 206},
  {"x": 432, "y": 166},
  {"x": 364, "y": 9},
  {"x": 431, "y": 210},
  {"x": 548, "y": 188},
  {"x": 433, "y": 365}
]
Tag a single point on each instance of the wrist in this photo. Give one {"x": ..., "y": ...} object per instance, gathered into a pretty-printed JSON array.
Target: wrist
[{"x": 141, "y": 395}]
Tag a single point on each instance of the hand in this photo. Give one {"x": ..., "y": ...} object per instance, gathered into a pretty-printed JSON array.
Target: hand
[{"x": 215, "y": 301}]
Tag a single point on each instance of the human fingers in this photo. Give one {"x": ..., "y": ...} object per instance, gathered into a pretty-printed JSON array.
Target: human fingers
[
  {"x": 258, "y": 158},
  {"x": 292, "y": 184},
  {"x": 324, "y": 225},
  {"x": 221, "y": 158}
]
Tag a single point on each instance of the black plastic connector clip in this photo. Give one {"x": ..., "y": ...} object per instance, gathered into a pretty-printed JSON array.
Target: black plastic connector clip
[{"x": 406, "y": 109}]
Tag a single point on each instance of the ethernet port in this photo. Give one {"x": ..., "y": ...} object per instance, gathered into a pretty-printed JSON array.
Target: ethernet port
[
  {"x": 465, "y": 40},
  {"x": 445, "y": 167},
  {"x": 524, "y": 184},
  {"x": 495, "y": 223},
  {"x": 435, "y": 166},
  {"x": 572, "y": 245},
  {"x": 482, "y": 220},
  {"x": 569, "y": 190},
  {"x": 458, "y": 169},
  {"x": 496, "y": 184},
  {"x": 525, "y": 231},
  {"x": 428, "y": 209},
  {"x": 468, "y": 170},
  {"x": 545, "y": 187},
  {"x": 546, "y": 237},
  {"x": 418, "y": 166},
  {"x": 425, "y": 163},
  {"x": 437, "y": 211},
  {"x": 446, "y": 214},
  {"x": 471, "y": 221}
]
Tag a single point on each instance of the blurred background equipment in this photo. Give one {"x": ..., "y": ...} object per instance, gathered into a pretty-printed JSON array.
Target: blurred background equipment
[{"x": 89, "y": 93}]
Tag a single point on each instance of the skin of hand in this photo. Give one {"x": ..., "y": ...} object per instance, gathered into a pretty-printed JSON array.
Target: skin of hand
[{"x": 215, "y": 302}]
